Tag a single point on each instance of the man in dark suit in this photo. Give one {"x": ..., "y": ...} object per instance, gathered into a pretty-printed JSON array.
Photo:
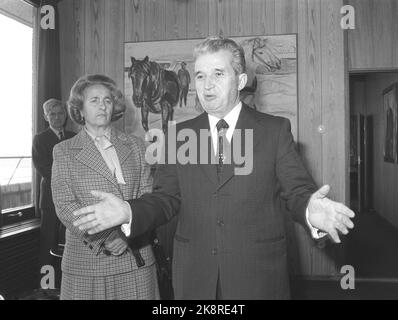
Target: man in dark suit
[
  {"x": 42, "y": 156},
  {"x": 230, "y": 238}
]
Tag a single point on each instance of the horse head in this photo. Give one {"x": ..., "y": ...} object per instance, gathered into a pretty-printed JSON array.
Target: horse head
[
  {"x": 264, "y": 55},
  {"x": 139, "y": 73},
  {"x": 260, "y": 57}
]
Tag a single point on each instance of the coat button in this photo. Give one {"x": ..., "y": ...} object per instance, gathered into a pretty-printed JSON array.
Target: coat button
[
  {"x": 220, "y": 223},
  {"x": 214, "y": 251}
]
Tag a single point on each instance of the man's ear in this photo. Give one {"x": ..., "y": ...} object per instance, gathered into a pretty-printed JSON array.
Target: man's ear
[
  {"x": 45, "y": 117},
  {"x": 242, "y": 81}
]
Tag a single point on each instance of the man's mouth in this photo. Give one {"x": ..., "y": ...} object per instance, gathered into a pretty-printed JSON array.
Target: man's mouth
[{"x": 210, "y": 97}]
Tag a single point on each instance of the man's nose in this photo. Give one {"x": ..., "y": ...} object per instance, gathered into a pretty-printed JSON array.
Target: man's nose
[{"x": 209, "y": 82}]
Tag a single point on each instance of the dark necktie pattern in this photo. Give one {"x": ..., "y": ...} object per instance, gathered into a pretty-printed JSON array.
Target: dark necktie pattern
[
  {"x": 222, "y": 127},
  {"x": 61, "y": 135}
]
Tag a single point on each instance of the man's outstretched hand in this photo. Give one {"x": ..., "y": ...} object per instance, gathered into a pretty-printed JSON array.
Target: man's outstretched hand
[
  {"x": 109, "y": 212},
  {"x": 329, "y": 216}
]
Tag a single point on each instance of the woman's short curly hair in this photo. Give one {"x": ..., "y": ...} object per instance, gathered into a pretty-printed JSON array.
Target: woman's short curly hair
[{"x": 76, "y": 97}]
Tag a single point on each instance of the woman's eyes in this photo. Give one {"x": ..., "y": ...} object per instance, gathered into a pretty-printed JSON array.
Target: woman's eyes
[{"x": 97, "y": 100}]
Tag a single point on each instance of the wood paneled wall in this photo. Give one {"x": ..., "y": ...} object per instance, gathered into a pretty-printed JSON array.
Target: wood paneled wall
[
  {"x": 92, "y": 36},
  {"x": 373, "y": 44}
]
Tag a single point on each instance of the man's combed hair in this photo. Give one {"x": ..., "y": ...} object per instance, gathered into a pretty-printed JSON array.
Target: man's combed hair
[
  {"x": 76, "y": 97},
  {"x": 215, "y": 43},
  {"x": 51, "y": 103}
]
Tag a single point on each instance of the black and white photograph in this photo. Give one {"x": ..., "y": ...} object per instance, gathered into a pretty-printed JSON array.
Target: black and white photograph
[{"x": 198, "y": 154}]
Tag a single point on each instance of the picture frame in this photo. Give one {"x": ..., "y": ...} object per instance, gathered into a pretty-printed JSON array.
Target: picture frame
[
  {"x": 271, "y": 63},
  {"x": 390, "y": 118}
]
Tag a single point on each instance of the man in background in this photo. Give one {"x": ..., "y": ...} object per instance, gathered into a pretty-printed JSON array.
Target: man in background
[
  {"x": 185, "y": 80},
  {"x": 51, "y": 232}
]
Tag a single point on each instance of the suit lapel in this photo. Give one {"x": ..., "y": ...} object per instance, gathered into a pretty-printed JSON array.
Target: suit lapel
[
  {"x": 246, "y": 120},
  {"x": 90, "y": 156},
  {"x": 209, "y": 169}
]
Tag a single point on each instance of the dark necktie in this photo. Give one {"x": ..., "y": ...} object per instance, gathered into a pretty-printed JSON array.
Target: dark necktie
[
  {"x": 61, "y": 135},
  {"x": 222, "y": 127}
]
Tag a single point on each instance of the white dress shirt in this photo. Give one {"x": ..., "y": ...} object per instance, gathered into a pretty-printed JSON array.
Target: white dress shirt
[
  {"x": 108, "y": 153},
  {"x": 231, "y": 118}
]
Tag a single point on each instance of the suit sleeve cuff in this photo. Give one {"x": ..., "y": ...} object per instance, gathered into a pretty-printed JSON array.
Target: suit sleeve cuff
[
  {"x": 315, "y": 233},
  {"x": 126, "y": 227}
]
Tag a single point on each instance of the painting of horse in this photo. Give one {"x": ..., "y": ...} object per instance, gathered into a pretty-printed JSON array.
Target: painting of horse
[
  {"x": 155, "y": 90},
  {"x": 271, "y": 66}
]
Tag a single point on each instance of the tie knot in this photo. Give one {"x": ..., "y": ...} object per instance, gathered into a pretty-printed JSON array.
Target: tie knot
[
  {"x": 222, "y": 124},
  {"x": 61, "y": 135}
]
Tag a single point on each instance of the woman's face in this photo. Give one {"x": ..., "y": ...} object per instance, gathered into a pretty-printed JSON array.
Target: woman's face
[{"x": 97, "y": 107}]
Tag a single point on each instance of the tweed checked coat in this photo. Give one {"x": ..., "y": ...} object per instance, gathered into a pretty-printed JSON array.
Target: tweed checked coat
[
  {"x": 79, "y": 168},
  {"x": 230, "y": 228}
]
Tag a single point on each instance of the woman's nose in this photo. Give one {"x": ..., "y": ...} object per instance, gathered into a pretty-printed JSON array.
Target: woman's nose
[{"x": 101, "y": 104}]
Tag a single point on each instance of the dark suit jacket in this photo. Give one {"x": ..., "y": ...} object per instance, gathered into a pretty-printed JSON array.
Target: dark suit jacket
[
  {"x": 231, "y": 228},
  {"x": 42, "y": 156}
]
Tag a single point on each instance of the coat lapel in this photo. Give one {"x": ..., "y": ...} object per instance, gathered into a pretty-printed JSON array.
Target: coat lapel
[
  {"x": 122, "y": 145},
  {"x": 90, "y": 156}
]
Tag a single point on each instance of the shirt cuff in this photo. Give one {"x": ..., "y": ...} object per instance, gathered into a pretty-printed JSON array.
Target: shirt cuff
[
  {"x": 315, "y": 233},
  {"x": 126, "y": 227}
]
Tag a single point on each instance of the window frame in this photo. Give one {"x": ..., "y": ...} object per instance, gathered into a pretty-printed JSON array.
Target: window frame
[{"x": 12, "y": 217}]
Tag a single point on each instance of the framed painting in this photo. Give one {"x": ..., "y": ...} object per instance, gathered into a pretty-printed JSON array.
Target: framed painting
[
  {"x": 271, "y": 63},
  {"x": 390, "y": 112}
]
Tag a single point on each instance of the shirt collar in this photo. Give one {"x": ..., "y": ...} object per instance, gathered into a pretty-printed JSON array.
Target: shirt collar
[
  {"x": 105, "y": 142},
  {"x": 231, "y": 118},
  {"x": 56, "y": 131}
]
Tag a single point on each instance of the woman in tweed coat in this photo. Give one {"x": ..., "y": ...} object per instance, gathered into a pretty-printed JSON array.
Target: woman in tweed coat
[{"x": 101, "y": 158}]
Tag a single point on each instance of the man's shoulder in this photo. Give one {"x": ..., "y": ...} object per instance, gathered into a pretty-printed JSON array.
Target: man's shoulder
[
  {"x": 264, "y": 119},
  {"x": 191, "y": 123},
  {"x": 44, "y": 136}
]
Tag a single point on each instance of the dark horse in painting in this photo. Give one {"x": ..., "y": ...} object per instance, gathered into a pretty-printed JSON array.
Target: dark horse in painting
[{"x": 154, "y": 90}]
